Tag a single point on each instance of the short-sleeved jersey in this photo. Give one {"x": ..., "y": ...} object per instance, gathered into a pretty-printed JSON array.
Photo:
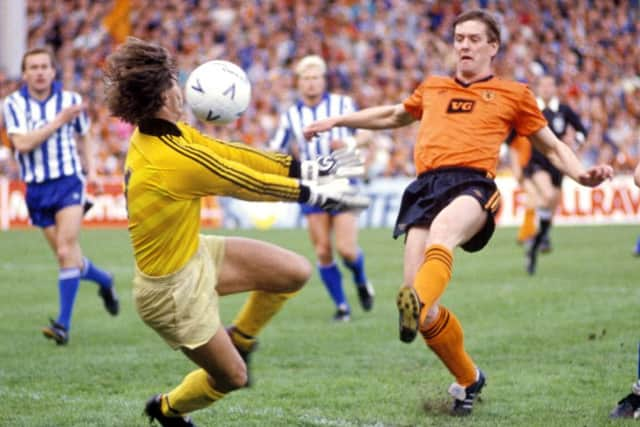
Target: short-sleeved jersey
[
  {"x": 169, "y": 167},
  {"x": 289, "y": 138},
  {"x": 463, "y": 125},
  {"x": 57, "y": 156}
]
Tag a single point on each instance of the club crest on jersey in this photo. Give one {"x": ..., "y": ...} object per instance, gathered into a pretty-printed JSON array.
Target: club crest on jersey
[
  {"x": 459, "y": 105},
  {"x": 488, "y": 95}
]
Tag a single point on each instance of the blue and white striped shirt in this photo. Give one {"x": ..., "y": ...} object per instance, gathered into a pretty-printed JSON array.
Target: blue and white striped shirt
[
  {"x": 58, "y": 155},
  {"x": 289, "y": 138}
]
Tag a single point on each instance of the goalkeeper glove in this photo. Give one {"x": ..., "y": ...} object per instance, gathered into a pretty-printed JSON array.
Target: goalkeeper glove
[
  {"x": 336, "y": 194},
  {"x": 343, "y": 163}
]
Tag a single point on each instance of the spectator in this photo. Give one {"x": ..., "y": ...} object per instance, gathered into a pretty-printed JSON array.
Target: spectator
[{"x": 396, "y": 38}]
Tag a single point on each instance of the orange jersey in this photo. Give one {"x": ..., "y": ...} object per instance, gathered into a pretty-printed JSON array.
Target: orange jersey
[{"x": 464, "y": 125}]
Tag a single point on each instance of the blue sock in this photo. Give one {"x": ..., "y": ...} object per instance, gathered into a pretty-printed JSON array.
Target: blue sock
[
  {"x": 68, "y": 283},
  {"x": 333, "y": 282},
  {"x": 357, "y": 268},
  {"x": 93, "y": 273},
  {"x": 637, "y": 251}
]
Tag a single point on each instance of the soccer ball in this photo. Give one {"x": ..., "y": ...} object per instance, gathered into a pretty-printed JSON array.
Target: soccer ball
[{"x": 218, "y": 92}]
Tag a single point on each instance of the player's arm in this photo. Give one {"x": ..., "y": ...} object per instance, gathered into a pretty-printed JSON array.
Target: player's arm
[
  {"x": 201, "y": 171},
  {"x": 88, "y": 158},
  {"x": 206, "y": 172},
  {"x": 338, "y": 163},
  {"x": 259, "y": 160},
  {"x": 383, "y": 117},
  {"x": 27, "y": 141},
  {"x": 636, "y": 175},
  {"x": 564, "y": 159}
]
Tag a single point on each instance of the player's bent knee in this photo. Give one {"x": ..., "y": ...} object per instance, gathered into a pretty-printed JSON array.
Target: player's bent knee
[
  {"x": 238, "y": 377},
  {"x": 234, "y": 378},
  {"x": 300, "y": 273},
  {"x": 348, "y": 252},
  {"x": 64, "y": 254},
  {"x": 324, "y": 255}
]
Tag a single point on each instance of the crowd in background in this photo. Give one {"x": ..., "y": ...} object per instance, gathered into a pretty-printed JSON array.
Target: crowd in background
[{"x": 377, "y": 51}]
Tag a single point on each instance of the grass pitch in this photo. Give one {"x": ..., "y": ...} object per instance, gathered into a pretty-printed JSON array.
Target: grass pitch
[{"x": 559, "y": 348}]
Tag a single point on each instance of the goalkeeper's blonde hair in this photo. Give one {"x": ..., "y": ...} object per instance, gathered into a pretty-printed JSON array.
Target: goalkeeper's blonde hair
[{"x": 311, "y": 61}]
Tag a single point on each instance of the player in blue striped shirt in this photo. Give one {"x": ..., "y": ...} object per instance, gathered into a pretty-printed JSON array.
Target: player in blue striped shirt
[
  {"x": 44, "y": 122},
  {"x": 316, "y": 103}
]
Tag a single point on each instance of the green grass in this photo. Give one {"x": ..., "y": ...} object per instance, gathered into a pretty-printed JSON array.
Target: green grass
[{"x": 558, "y": 349}]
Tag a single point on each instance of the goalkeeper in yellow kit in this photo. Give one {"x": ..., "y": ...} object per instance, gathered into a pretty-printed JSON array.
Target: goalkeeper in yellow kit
[{"x": 179, "y": 272}]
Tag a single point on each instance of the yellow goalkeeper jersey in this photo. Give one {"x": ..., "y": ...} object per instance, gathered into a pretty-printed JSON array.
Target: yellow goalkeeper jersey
[{"x": 169, "y": 167}]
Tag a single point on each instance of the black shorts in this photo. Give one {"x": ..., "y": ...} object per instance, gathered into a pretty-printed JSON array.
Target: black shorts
[
  {"x": 541, "y": 163},
  {"x": 432, "y": 191}
]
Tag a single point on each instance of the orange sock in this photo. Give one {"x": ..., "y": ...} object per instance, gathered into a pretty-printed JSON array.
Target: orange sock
[
  {"x": 433, "y": 276},
  {"x": 445, "y": 338},
  {"x": 528, "y": 227}
]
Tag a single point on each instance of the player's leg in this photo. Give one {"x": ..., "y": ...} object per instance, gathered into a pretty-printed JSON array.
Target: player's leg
[
  {"x": 63, "y": 238},
  {"x": 90, "y": 271},
  {"x": 527, "y": 230},
  {"x": 628, "y": 406},
  {"x": 547, "y": 196},
  {"x": 66, "y": 296},
  {"x": 274, "y": 277},
  {"x": 50, "y": 234},
  {"x": 345, "y": 225},
  {"x": 221, "y": 371},
  {"x": 556, "y": 196},
  {"x": 456, "y": 224},
  {"x": 319, "y": 225}
]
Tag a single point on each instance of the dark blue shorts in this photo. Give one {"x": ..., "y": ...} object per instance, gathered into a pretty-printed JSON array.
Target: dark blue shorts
[
  {"x": 432, "y": 191},
  {"x": 311, "y": 209},
  {"x": 540, "y": 163},
  {"x": 44, "y": 200}
]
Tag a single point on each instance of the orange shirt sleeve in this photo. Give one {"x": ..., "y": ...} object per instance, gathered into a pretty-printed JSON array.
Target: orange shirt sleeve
[
  {"x": 413, "y": 104},
  {"x": 529, "y": 119}
]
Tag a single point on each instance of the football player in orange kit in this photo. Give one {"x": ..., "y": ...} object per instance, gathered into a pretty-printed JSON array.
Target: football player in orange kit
[{"x": 463, "y": 120}]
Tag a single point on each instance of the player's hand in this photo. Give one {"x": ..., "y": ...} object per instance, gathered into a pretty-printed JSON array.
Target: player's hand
[
  {"x": 316, "y": 127},
  {"x": 337, "y": 194},
  {"x": 343, "y": 163},
  {"x": 595, "y": 175}
]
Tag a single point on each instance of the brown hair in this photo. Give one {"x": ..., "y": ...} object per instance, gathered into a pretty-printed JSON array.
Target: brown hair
[
  {"x": 136, "y": 76},
  {"x": 493, "y": 29},
  {"x": 37, "y": 51}
]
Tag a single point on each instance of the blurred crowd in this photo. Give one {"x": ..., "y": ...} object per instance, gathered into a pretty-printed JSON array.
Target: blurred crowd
[{"x": 377, "y": 51}]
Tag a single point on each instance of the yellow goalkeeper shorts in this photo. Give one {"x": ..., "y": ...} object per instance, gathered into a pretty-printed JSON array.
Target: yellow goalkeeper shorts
[{"x": 182, "y": 307}]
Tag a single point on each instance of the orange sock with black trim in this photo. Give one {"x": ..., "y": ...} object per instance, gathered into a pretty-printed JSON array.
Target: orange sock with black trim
[
  {"x": 445, "y": 338},
  {"x": 433, "y": 276},
  {"x": 528, "y": 228},
  {"x": 195, "y": 392}
]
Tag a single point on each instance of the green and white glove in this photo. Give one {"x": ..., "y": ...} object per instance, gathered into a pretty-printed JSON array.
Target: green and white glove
[
  {"x": 336, "y": 194},
  {"x": 343, "y": 163}
]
